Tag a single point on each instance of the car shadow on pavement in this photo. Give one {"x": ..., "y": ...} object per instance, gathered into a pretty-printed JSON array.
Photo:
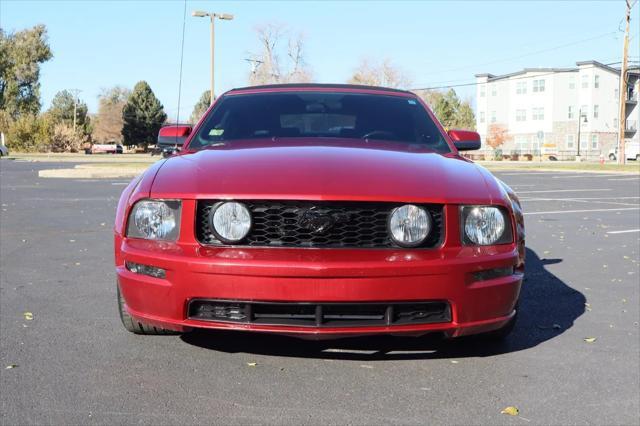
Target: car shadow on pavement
[{"x": 548, "y": 307}]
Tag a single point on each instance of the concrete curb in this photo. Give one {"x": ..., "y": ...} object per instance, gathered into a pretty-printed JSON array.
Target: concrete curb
[{"x": 87, "y": 172}]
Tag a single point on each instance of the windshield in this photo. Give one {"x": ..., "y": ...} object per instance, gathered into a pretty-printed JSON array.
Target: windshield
[{"x": 312, "y": 115}]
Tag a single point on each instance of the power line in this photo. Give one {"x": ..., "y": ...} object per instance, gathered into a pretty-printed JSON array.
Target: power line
[
  {"x": 184, "y": 23},
  {"x": 475, "y": 83},
  {"x": 524, "y": 55}
]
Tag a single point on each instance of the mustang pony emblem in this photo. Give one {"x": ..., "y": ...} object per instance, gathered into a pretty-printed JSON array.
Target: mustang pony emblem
[{"x": 318, "y": 222}]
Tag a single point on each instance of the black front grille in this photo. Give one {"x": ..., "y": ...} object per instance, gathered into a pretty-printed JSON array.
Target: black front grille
[
  {"x": 320, "y": 314},
  {"x": 282, "y": 224}
]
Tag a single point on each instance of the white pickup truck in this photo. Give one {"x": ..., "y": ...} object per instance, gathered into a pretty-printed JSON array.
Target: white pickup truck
[
  {"x": 631, "y": 150},
  {"x": 104, "y": 149}
]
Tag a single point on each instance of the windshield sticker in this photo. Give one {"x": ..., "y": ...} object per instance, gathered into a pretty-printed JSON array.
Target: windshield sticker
[{"x": 412, "y": 102}]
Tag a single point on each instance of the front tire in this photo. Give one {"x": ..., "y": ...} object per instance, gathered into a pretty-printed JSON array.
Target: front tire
[
  {"x": 136, "y": 327},
  {"x": 612, "y": 157}
]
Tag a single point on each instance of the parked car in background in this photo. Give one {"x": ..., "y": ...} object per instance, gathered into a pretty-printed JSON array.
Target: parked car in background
[
  {"x": 104, "y": 149},
  {"x": 320, "y": 211},
  {"x": 631, "y": 150},
  {"x": 4, "y": 151}
]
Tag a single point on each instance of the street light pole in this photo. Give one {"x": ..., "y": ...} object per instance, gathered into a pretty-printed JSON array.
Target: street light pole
[
  {"x": 579, "y": 125},
  {"x": 212, "y": 16}
]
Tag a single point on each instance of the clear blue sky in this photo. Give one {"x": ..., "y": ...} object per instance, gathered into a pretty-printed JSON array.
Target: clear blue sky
[{"x": 99, "y": 44}]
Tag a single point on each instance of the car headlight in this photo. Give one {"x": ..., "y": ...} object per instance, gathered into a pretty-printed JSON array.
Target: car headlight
[
  {"x": 409, "y": 225},
  {"x": 155, "y": 220},
  {"x": 230, "y": 221},
  {"x": 485, "y": 225}
]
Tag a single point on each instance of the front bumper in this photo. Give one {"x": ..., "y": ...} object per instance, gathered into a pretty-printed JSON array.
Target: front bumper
[{"x": 320, "y": 276}]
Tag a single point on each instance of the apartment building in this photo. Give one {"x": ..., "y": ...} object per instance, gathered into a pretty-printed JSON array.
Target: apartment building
[{"x": 546, "y": 108}]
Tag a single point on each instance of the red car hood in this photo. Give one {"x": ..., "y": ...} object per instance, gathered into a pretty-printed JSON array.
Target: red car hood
[{"x": 324, "y": 170}]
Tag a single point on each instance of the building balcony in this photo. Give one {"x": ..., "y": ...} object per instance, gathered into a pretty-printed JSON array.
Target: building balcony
[
  {"x": 631, "y": 126},
  {"x": 632, "y": 98}
]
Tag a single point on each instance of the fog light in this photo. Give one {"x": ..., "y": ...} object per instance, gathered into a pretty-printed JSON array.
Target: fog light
[
  {"x": 151, "y": 271},
  {"x": 490, "y": 274}
]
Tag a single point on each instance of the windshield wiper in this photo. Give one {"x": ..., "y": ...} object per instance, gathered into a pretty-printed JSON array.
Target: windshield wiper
[{"x": 214, "y": 145}]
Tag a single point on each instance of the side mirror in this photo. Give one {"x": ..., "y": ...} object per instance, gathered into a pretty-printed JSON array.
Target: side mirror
[
  {"x": 465, "y": 140},
  {"x": 171, "y": 138},
  {"x": 173, "y": 135}
]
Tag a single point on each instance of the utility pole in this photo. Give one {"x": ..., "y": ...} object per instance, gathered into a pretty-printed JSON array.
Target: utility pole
[
  {"x": 212, "y": 16},
  {"x": 622, "y": 158},
  {"x": 75, "y": 92}
]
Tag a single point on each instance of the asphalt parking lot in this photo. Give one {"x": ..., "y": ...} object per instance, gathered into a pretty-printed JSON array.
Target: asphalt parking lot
[{"x": 75, "y": 364}]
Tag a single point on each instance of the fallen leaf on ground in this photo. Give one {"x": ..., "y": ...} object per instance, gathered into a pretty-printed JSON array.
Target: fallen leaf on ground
[
  {"x": 590, "y": 339},
  {"x": 10, "y": 366},
  {"x": 587, "y": 306},
  {"x": 453, "y": 361},
  {"x": 512, "y": 411},
  {"x": 28, "y": 316},
  {"x": 366, "y": 366},
  {"x": 252, "y": 364}
]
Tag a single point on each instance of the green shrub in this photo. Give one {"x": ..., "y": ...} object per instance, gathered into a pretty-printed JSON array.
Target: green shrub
[{"x": 28, "y": 133}]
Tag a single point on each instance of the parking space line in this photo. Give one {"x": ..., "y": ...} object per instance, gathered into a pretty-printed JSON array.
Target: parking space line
[
  {"x": 626, "y": 178},
  {"x": 565, "y": 190},
  {"x": 579, "y": 200},
  {"x": 581, "y": 211},
  {"x": 586, "y": 175},
  {"x": 624, "y": 232},
  {"x": 583, "y": 198}
]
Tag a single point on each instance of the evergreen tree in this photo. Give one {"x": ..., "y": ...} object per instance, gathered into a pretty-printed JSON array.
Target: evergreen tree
[
  {"x": 201, "y": 107},
  {"x": 61, "y": 111},
  {"x": 142, "y": 116}
]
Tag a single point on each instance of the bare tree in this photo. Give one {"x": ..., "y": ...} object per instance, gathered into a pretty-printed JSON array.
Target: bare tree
[
  {"x": 383, "y": 73},
  {"x": 268, "y": 67},
  {"x": 109, "y": 121}
]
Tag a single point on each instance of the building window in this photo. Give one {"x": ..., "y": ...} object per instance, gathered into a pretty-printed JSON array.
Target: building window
[
  {"x": 521, "y": 115},
  {"x": 537, "y": 114},
  {"x": 482, "y": 116},
  {"x": 615, "y": 124},
  {"x": 570, "y": 142},
  {"x": 571, "y": 114},
  {"x": 493, "y": 116},
  {"x": 594, "y": 142},
  {"x": 596, "y": 81},
  {"x": 584, "y": 111},
  {"x": 616, "y": 94},
  {"x": 585, "y": 81},
  {"x": 482, "y": 90},
  {"x": 572, "y": 82},
  {"x": 595, "y": 111},
  {"x": 583, "y": 141},
  {"x": 521, "y": 87},
  {"x": 538, "y": 85},
  {"x": 522, "y": 143},
  {"x": 494, "y": 90}
]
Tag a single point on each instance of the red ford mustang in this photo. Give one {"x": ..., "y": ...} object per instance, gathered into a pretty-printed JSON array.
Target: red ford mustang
[{"x": 319, "y": 211}]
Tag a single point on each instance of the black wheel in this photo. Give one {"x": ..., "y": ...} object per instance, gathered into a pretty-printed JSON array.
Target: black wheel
[
  {"x": 134, "y": 326},
  {"x": 612, "y": 157}
]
